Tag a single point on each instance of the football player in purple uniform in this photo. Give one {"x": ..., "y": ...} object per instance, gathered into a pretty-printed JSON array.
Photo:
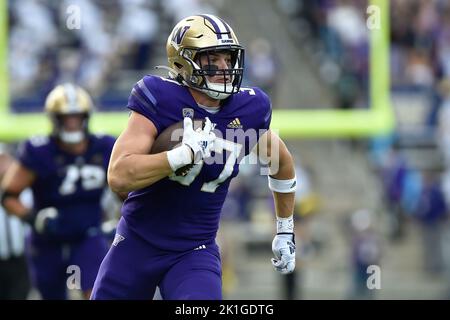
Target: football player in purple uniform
[
  {"x": 66, "y": 172},
  {"x": 166, "y": 236}
]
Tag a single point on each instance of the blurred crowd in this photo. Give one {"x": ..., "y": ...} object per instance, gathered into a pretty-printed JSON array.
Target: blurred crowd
[
  {"x": 102, "y": 45},
  {"x": 336, "y": 34},
  {"x": 117, "y": 42},
  {"x": 413, "y": 166}
]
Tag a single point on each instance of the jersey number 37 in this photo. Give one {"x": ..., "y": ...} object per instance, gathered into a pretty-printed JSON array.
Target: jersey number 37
[{"x": 220, "y": 145}]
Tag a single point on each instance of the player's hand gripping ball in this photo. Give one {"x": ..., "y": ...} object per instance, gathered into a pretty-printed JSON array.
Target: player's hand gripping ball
[{"x": 172, "y": 137}]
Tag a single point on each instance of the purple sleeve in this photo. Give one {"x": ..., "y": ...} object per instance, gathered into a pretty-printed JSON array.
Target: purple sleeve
[
  {"x": 265, "y": 107},
  {"x": 28, "y": 156},
  {"x": 143, "y": 101}
]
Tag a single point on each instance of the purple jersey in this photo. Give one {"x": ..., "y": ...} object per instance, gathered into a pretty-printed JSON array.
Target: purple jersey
[
  {"x": 182, "y": 213},
  {"x": 73, "y": 184}
]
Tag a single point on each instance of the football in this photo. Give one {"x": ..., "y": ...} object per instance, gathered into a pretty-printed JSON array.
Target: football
[{"x": 171, "y": 137}]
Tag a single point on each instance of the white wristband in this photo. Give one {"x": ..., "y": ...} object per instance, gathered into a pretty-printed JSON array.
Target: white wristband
[
  {"x": 283, "y": 186},
  {"x": 285, "y": 225},
  {"x": 179, "y": 157}
]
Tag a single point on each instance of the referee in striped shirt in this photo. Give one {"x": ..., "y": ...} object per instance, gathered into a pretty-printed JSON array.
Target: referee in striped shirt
[{"x": 14, "y": 278}]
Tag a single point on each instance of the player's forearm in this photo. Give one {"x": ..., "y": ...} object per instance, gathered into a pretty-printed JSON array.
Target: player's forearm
[
  {"x": 137, "y": 171},
  {"x": 284, "y": 202}
]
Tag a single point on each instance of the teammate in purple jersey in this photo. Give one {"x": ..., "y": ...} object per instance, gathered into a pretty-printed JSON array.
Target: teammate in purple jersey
[
  {"x": 66, "y": 172},
  {"x": 166, "y": 236}
]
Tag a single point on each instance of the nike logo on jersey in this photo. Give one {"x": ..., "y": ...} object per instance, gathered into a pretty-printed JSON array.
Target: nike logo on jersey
[{"x": 235, "y": 124}]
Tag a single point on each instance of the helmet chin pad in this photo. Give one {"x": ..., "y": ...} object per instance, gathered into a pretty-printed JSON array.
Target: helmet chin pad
[
  {"x": 217, "y": 91},
  {"x": 71, "y": 137}
]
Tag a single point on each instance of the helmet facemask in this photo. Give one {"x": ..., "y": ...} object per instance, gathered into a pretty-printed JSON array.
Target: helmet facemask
[
  {"x": 69, "y": 136},
  {"x": 231, "y": 78},
  {"x": 67, "y": 100}
]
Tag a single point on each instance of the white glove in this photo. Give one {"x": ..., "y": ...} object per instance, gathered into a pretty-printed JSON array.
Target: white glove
[
  {"x": 43, "y": 219},
  {"x": 283, "y": 247},
  {"x": 200, "y": 141}
]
